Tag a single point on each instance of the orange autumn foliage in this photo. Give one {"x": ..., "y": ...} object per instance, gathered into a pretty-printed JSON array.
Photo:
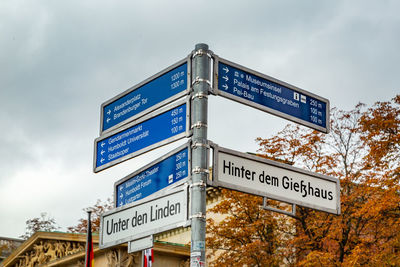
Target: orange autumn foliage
[
  {"x": 363, "y": 151},
  {"x": 247, "y": 237},
  {"x": 97, "y": 210}
]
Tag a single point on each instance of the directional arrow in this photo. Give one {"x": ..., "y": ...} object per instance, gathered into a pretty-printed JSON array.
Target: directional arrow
[
  {"x": 121, "y": 188},
  {"x": 102, "y": 160},
  {"x": 102, "y": 152},
  {"x": 108, "y": 120},
  {"x": 155, "y": 90},
  {"x": 121, "y": 196},
  {"x": 102, "y": 144},
  {"x": 226, "y": 74}
]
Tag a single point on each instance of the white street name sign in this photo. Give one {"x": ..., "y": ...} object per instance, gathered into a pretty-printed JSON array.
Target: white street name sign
[
  {"x": 152, "y": 215},
  {"x": 259, "y": 176}
]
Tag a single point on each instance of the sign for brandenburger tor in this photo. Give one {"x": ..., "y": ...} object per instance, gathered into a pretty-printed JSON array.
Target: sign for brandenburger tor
[
  {"x": 255, "y": 175},
  {"x": 157, "y": 91}
]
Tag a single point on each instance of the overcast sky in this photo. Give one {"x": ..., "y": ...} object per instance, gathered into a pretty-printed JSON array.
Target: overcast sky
[{"x": 60, "y": 60}]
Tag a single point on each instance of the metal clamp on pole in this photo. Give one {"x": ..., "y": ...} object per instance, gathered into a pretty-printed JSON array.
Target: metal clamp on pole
[
  {"x": 200, "y": 80},
  {"x": 199, "y": 144},
  {"x": 200, "y": 95},
  {"x": 200, "y": 170},
  {"x": 201, "y": 184},
  {"x": 202, "y": 52},
  {"x": 198, "y": 125},
  {"x": 198, "y": 215}
]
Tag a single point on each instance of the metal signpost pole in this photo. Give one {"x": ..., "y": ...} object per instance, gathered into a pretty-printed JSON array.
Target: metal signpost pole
[{"x": 201, "y": 84}]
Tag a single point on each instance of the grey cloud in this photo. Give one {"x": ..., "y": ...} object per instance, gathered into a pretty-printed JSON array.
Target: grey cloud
[{"x": 59, "y": 60}]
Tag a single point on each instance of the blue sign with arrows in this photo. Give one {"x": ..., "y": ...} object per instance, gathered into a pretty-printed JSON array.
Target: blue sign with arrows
[
  {"x": 271, "y": 95},
  {"x": 164, "y": 172},
  {"x": 141, "y": 136},
  {"x": 160, "y": 89}
]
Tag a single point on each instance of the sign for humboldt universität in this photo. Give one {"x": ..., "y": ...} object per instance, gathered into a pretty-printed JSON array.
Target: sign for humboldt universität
[
  {"x": 151, "y": 131},
  {"x": 263, "y": 177},
  {"x": 171, "y": 169},
  {"x": 268, "y": 94},
  {"x": 151, "y": 94},
  {"x": 163, "y": 212}
]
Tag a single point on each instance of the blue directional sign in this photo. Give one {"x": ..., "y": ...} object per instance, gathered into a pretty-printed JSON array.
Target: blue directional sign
[
  {"x": 165, "y": 172},
  {"x": 141, "y": 136},
  {"x": 160, "y": 89},
  {"x": 271, "y": 95}
]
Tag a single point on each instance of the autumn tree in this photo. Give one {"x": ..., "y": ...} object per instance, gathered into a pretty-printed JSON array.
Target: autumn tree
[
  {"x": 3, "y": 248},
  {"x": 42, "y": 223},
  {"x": 247, "y": 236},
  {"x": 381, "y": 134},
  {"x": 362, "y": 150},
  {"x": 97, "y": 210}
]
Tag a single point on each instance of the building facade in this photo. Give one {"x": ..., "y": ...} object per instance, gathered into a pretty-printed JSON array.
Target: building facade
[{"x": 68, "y": 249}]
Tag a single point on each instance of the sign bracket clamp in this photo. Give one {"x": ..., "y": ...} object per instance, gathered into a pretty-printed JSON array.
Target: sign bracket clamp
[
  {"x": 202, "y": 52},
  {"x": 200, "y": 170},
  {"x": 291, "y": 214},
  {"x": 200, "y": 80},
  {"x": 199, "y": 144},
  {"x": 200, "y": 184},
  {"x": 198, "y": 125},
  {"x": 200, "y": 95},
  {"x": 198, "y": 215}
]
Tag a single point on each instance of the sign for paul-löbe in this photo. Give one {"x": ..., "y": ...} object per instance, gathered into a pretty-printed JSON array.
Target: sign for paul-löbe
[
  {"x": 255, "y": 175},
  {"x": 160, "y": 89},
  {"x": 167, "y": 171},
  {"x": 162, "y": 212},
  {"x": 271, "y": 95},
  {"x": 151, "y": 131}
]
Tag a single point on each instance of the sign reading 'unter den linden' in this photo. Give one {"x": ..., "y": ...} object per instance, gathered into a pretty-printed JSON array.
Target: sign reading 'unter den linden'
[{"x": 163, "y": 212}]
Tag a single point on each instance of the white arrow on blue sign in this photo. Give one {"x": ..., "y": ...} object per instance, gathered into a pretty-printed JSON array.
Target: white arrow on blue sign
[
  {"x": 268, "y": 94},
  {"x": 151, "y": 94},
  {"x": 150, "y": 132},
  {"x": 167, "y": 171}
]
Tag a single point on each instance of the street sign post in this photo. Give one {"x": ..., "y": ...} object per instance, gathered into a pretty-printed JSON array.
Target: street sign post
[
  {"x": 151, "y": 94},
  {"x": 168, "y": 171},
  {"x": 138, "y": 137},
  {"x": 155, "y": 198},
  {"x": 268, "y": 94},
  {"x": 163, "y": 212},
  {"x": 201, "y": 82},
  {"x": 258, "y": 176}
]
